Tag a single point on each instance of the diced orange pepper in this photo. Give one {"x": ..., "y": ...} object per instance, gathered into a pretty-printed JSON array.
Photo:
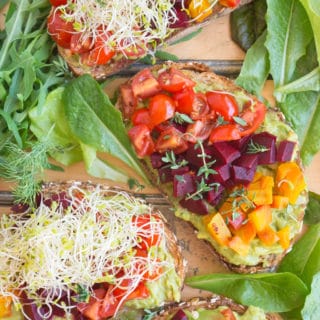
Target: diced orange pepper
[
  {"x": 199, "y": 9},
  {"x": 261, "y": 217},
  {"x": 261, "y": 190},
  {"x": 228, "y": 314},
  {"x": 280, "y": 202},
  {"x": 284, "y": 237},
  {"x": 268, "y": 236},
  {"x": 233, "y": 216},
  {"x": 247, "y": 232},
  {"x": 219, "y": 230},
  {"x": 290, "y": 181},
  {"x": 239, "y": 246},
  {"x": 5, "y": 306}
]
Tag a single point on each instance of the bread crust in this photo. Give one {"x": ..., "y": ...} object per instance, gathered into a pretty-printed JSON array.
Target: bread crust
[{"x": 200, "y": 73}]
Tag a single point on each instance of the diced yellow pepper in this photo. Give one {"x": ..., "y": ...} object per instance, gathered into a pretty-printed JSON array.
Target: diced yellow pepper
[
  {"x": 261, "y": 190},
  {"x": 280, "y": 202},
  {"x": 199, "y": 9},
  {"x": 239, "y": 246},
  {"x": 219, "y": 230},
  {"x": 261, "y": 217},
  {"x": 268, "y": 236},
  {"x": 5, "y": 306},
  {"x": 247, "y": 232},
  {"x": 284, "y": 237}
]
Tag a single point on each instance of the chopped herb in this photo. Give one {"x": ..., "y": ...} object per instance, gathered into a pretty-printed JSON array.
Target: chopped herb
[
  {"x": 206, "y": 169},
  {"x": 149, "y": 315},
  {"x": 221, "y": 121},
  {"x": 182, "y": 118},
  {"x": 167, "y": 137},
  {"x": 202, "y": 187},
  {"x": 170, "y": 158},
  {"x": 83, "y": 294},
  {"x": 135, "y": 184},
  {"x": 256, "y": 147},
  {"x": 240, "y": 121},
  {"x": 179, "y": 178}
]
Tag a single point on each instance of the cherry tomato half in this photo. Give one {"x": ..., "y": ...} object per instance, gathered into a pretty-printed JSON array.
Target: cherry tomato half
[
  {"x": 59, "y": 29},
  {"x": 198, "y": 130},
  {"x": 58, "y": 3},
  {"x": 145, "y": 85},
  {"x": 134, "y": 51},
  {"x": 200, "y": 108},
  {"x": 161, "y": 108},
  {"x": 141, "y": 116},
  {"x": 173, "y": 80},
  {"x": 226, "y": 132},
  {"x": 171, "y": 139},
  {"x": 79, "y": 44},
  {"x": 223, "y": 104},
  {"x": 141, "y": 140},
  {"x": 230, "y": 3},
  {"x": 184, "y": 100}
]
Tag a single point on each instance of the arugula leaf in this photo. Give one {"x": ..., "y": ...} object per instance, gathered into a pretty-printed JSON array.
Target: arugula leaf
[
  {"x": 95, "y": 122},
  {"x": 311, "y": 309},
  {"x": 255, "y": 69},
  {"x": 312, "y": 214},
  {"x": 273, "y": 292},
  {"x": 289, "y": 34},
  {"x": 188, "y": 37},
  {"x": 304, "y": 258}
]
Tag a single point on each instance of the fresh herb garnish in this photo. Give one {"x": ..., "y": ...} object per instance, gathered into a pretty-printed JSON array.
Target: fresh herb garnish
[
  {"x": 202, "y": 187},
  {"x": 205, "y": 169},
  {"x": 83, "y": 294},
  {"x": 135, "y": 185},
  {"x": 220, "y": 121},
  {"x": 240, "y": 121},
  {"x": 254, "y": 147},
  {"x": 171, "y": 160},
  {"x": 182, "y": 118}
]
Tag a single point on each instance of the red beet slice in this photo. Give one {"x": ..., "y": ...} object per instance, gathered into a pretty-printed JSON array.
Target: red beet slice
[
  {"x": 241, "y": 144},
  {"x": 180, "y": 170},
  {"x": 183, "y": 184},
  {"x": 241, "y": 175},
  {"x": 224, "y": 152},
  {"x": 249, "y": 161},
  {"x": 193, "y": 155},
  {"x": 222, "y": 175},
  {"x": 214, "y": 196},
  {"x": 268, "y": 141},
  {"x": 165, "y": 174},
  {"x": 156, "y": 160},
  {"x": 235, "y": 219},
  {"x": 196, "y": 206},
  {"x": 180, "y": 315},
  {"x": 285, "y": 151}
]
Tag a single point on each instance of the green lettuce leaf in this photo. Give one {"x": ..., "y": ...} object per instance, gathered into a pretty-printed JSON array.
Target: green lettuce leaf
[{"x": 311, "y": 309}]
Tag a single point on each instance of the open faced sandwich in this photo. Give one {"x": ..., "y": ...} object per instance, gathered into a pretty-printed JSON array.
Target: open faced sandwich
[
  {"x": 102, "y": 37},
  {"x": 87, "y": 252},
  {"x": 227, "y": 163}
]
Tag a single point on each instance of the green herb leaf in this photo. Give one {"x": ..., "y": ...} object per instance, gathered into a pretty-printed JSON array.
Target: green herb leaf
[
  {"x": 312, "y": 214},
  {"x": 304, "y": 258},
  {"x": 164, "y": 56},
  {"x": 95, "y": 122},
  {"x": 188, "y": 37},
  {"x": 311, "y": 309},
  {"x": 273, "y": 292},
  {"x": 240, "y": 121},
  {"x": 182, "y": 118}
]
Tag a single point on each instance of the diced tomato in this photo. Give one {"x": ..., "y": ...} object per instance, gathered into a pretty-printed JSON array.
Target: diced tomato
[
  {"x": 129, "y": 102},
  {"x": 58, "y": 3},
  {"x": 228, "y": 314},
  {"x": 140, "y": 292},
  {"x": 173, "y": 80},
  {"x": 198, "y": 130},
  {"x": 230, "y": 3},
  {"x": 109, "y": 304},
  {"x": 92, "y": 309},
  {"x": 99, "y": 55},
  {"x": 200, "y": 108},
  {"x": 222, "y": 103},
  {"x": 59, "y": 29},
  {"x": 141, "y": 116},
  {"x": 79, "y": 44},
  {"x": 161, "y": 108},
  {"x": 134, "y": 51},
  {"x": 253, "y": 116},
  {"x": 225, "y": 132},
  {"x": 171, "y": 139},
  {"x": 141, "y": 139},
  {"x": 145, "y": 85},
  {"x": 184, "y": 100}
]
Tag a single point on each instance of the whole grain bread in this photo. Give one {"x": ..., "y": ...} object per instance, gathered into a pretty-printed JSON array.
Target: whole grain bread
[{"x": 200, "y": 73}]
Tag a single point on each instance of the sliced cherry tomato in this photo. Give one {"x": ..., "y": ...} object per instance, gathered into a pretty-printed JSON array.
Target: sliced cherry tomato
[
  {"x": 228, "y": 314},
  {"x": 141, "y": 139},
  {"x": 145, "y": 85},
  {"x": 184, "y": 100},
  {"x": 58, "y": 3},
  {"x": 59, "y": 29},
  {"x": 140, "y": 292},
  {"x": 141, "y": 116},
  {"x": 151, "y": 274},
  {"x": 226, "y": 132},
  {"x": 253, "y": 116},
  {"x": 134, "y": 51},
  {"x": 173, "y": 80},
  {"x": 80, "y": 44},
  {"x": 171, "y": 139},
  {"x": 92, "y": 309},
  {"x": 199, "y": 130},
  {"x": 161, "y": 108},
  {"x": 109, "y": 305},
  {"x": 222, "y": 103},
  {"x": 129, "y": 101},
  {"x": 230, "y": 3},
  {"x": 200, "y": 108}
]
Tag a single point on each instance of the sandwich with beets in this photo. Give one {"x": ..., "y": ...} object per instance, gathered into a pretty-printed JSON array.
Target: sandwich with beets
[
  {"x": 228, "y": 164},
  {"x": 102, "y": 37},
  {"x": 86, "y": 252}
]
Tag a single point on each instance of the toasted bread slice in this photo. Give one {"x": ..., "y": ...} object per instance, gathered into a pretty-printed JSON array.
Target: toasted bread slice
[{"x": 261, "y": 257}]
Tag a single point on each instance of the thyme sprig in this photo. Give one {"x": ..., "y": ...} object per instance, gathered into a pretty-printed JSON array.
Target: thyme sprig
[
  {"x": 202, "y": 187},
  {"x": 171, "y": 160},
  {"x": 182, "y": 118},
  {"x": 205, "y": 169},
  {"x": 254, "y": 147},
  {"x": 240, "y": 197}
]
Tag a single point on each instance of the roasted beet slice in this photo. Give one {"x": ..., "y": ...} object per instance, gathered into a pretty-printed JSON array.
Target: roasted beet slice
[
  {"x": 224, "y": 152},
  {"x": 180, "y": 170},
  {"x": 241, "y": 144},
  {"x": 156, "y": 160},
  {"x": 249, "y": 161},
  {"x": 242, "y": 175},
  {"x": 267, "y": 141},
  {"x": 165, "y": 174},
  {"x": 180, "y": 315},
  {"x": 194, "y": 155},
  {"x": 184, "y": 184},
  {"x": 285, "y": 150},
  {"x": 222, "y": 175},
  {"x": 214, "y": 196},
  {"x": 196, "y": 206}
]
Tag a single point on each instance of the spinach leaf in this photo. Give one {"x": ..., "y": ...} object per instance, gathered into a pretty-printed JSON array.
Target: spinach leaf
[
  {"x": 95, "y": 122},
  {"x": 289, "y": 33},
  {"x": 255, "y": 69},
  {"x": 311, "y": 309},
  {"x": 248, "y": 23},
  {"x": 304, "y": 258},
  {"x": 273, "y": 292},
  {"x": 312, "y": 214}
]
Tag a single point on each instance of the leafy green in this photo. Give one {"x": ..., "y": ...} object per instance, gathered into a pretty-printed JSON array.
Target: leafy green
[
  {"x": 188, "y": 37},
  {"x": 311, "y": 309},
  {"x": 95, "y": 122},
  {"x": 312, "y": 213},
  {"x": 248, "y": 23},
  {"x": 255, "y": 69},
  {"x": 304, "y": 259},
  {"x": 274, "y": 292},
  {"x": 289, "y": 34}
]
